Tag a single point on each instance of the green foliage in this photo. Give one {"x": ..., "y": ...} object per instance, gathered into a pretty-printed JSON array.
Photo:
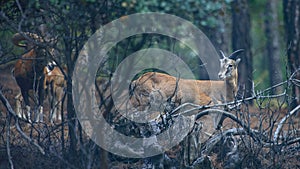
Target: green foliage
[
  {"x": 260, "y": 59},
  {"x": 202, "y": 12},
  {"x": 139, "y": 42}
]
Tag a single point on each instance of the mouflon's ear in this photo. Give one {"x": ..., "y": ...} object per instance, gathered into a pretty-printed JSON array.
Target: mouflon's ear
[{"x": 237, "y": 61}]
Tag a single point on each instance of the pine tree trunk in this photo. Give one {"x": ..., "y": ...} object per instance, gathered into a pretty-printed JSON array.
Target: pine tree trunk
[
  {"x": 241, "y": 40},
  {"x": 273, "y": 52},
  {"x": 292, "y": 28}
]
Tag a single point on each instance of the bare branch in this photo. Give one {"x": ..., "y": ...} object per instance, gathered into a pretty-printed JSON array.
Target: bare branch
[
  {"x": 8, "y": 142},
  {"x": 250, "y": 131},
  {"x": 12, "y": 112},
  {"x": 281, "y": 123}
]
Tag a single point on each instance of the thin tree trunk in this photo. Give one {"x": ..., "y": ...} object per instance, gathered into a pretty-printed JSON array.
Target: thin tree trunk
[
  {"x": 292, "y": 28},
  {"x": 241, "y": 40},
  {"x": 273, "y": 52},
  {"x": 223, "y": 33},
  {"x": 70, "y": 106}
]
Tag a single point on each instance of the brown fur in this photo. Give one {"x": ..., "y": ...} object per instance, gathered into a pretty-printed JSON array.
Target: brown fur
[
  {"x": 165, "y": 85},
  {"x": 200, "y": 92},
  {"x": 54, "y": 84},
  {"x": 28, "y": 71},
  {"x": 153, "y": 87}
]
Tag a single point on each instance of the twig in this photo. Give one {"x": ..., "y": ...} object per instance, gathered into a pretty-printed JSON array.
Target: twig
[
  {"x": 280, "y": 125},
  {"x": 214, "y": 140},
  {"x": 257, "y": 136},
  {"x": 235, "y": 132},
  {"x": 293, "y": 141},
  {"x": 196, "y": 107},
  {"x": 12, "y": 112},
  {"x": 251, "y": 132},
  {"x": 234, "y": 103},
  {"x": 8, "y": 142}
]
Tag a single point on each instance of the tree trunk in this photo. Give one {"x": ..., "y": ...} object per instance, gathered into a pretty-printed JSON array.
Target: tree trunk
[
  {"x": 241, "y": 40},
  {"x": 70, "y": 106},
  {"x": 273, "y": 52},
  {"x": 223, "y": 31},
  {"x": 292, "y": 28}
]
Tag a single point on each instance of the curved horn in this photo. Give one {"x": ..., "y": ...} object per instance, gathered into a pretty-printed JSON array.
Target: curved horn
[
  {"x": 17, "y": 38},
  {"x": 223, "y": 55},
  {"x": 235, "y": 54}
]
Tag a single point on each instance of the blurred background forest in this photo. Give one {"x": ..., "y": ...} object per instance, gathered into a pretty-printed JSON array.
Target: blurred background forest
[{"x": 268, "y": 30}]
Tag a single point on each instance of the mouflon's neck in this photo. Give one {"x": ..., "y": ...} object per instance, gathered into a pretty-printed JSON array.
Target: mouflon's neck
[{"x": 231, "y": 86}]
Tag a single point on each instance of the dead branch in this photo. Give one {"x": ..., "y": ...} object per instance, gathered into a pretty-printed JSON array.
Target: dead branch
[
  {"x": 252, "y": 133},
  {"x": 8, "y": 142},
  {"x": 12, "y": 112},
  {"x": 281, "y": 123}
]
